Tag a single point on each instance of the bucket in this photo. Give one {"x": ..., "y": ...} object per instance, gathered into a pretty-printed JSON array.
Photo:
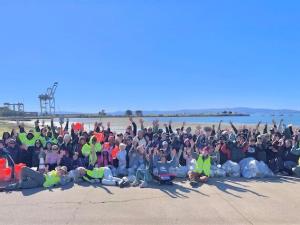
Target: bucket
[
  {"x": 2, "y": 163},
  {"x": 18, "y": 170},
  {"x": 5, "y": 174}
]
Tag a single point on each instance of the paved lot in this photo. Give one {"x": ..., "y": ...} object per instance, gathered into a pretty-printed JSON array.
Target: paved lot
[{"x": 230, "y": 201}]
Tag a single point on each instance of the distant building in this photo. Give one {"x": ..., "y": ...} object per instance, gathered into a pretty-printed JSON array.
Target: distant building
[{"x": 15, "y": 109}]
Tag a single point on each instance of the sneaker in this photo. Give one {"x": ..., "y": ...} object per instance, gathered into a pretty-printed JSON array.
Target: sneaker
[
  {"x": 12, "y": 187},
  {"x": 126, "y": 183},
  {"x": 122, "y": 183},
  {"x": 135, "y": 183},
  {"x": 169, "y": 182},
  {"x": 193, "y": 183},
  {"x": 144, "y": 184},
  {"x": 92, "y": 181}
]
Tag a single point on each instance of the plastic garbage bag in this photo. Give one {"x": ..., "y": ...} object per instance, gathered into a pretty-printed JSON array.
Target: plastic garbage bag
[
  {"x": 296, "y": 171},
  {"x": 232, "y": 169},
  {"x": 217, "y": 171},
  {"x": 251, "y": 168},
  {"x": 131, "y": 178},
  {"x": 264, "y": 170}
]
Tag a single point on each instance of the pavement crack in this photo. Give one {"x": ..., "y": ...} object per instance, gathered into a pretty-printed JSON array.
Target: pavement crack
[
  {"x": 123, "y": 201},
  {"x": 235, "y": 209},
  {"x": 74, "y": 213}
]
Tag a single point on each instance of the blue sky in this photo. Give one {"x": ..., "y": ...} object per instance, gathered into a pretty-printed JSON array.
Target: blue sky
[{"x": 151, "y": 55}]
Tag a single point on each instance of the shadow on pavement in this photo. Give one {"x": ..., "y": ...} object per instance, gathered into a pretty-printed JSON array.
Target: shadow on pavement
[
  {"x": 239, "y": 185},
  {"x": 86, "y": 184},
  {"x": 175, "y": 190},
  {"x": 28, "y": 192},
  {"x": 230, "y": 189},
  {"x": 230, "y": 186}
]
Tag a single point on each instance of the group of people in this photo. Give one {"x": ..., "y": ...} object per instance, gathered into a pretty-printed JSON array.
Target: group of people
[{"x": 55, "y": 155}]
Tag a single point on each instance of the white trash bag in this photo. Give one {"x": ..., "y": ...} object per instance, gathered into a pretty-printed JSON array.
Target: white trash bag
[
  {"x": 217, "y": 171},
  {"x": 265, "y": 171},
  {"x": 232, "y": 169},
  {"x": 251, "y": 168}
]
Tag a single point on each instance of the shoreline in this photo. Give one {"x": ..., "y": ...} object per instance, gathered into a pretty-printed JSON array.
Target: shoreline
[
  {"x": 91, "y": 116},
  {"x": 119, "y": 124}
]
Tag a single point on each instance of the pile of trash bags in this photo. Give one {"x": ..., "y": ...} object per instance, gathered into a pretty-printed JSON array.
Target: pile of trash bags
[
  {"x": 251, "y": 168},
  {"x": 217, "y": 171},
  {"x": 248, "y": 168},
  {"x": 232, "y": 169}
]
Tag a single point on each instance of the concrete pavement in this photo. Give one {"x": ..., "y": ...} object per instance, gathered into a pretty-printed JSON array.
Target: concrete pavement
[{"x": 221, "y": 201}]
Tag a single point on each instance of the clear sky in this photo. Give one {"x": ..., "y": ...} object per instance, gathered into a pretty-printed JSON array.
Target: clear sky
[{"x": 151, "y": 55}]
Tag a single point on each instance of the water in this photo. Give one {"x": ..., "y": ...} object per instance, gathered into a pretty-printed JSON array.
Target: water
[{"x": 252, "y": 119}]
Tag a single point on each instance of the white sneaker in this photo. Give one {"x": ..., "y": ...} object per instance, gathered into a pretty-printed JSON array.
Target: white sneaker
[
  {"x": 144, "y": 184},
  {"x": 135, "y": 183}
]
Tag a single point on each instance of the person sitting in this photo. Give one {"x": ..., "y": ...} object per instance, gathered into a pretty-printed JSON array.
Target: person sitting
[
  {"x": 202, "y": 169},
  {"x": 121, "y": 156},
  {"x": 161, "y": 171}
]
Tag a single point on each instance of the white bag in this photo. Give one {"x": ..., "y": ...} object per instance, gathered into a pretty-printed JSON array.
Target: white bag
[
  {"x": 251, "y": 168},
  {"x": 232, "y": 169},
  {"x": 217, "y": 171}
]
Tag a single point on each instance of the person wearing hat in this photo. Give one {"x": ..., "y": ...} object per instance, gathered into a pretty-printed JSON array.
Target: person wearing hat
[
  {"x": 27, "y": 138},
  {"x": 33, "y": 179},
  {"x": 13, "y": 150},
  {"x": 166, "y": 149}
]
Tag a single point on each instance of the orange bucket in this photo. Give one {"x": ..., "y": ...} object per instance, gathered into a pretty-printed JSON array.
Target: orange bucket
[
  {"x": 18, "y": 170},
  {"x": 5, "y": 174},
  {"x": 2, "y": 163}
]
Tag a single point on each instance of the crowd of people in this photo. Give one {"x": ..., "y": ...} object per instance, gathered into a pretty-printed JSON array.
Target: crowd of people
[{"x": 56, "y": 155}]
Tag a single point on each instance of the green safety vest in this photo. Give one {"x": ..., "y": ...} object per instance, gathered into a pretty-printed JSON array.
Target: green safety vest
[
  {"x": 24, "y": 140},
  {"x": 87, "y": 152},
  {"x": 96, "y": 173},
  {"x": 51, "y": 179},
  {"x": 38, "y": 135},
  {"x": 203, "y": 165},
  {"x": 54, "y": 140}
]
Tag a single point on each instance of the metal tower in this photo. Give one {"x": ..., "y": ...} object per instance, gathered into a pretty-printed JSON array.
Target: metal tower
[
  {"x": 47, "y": 101},
  {"x": 16, "y": 107}
]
